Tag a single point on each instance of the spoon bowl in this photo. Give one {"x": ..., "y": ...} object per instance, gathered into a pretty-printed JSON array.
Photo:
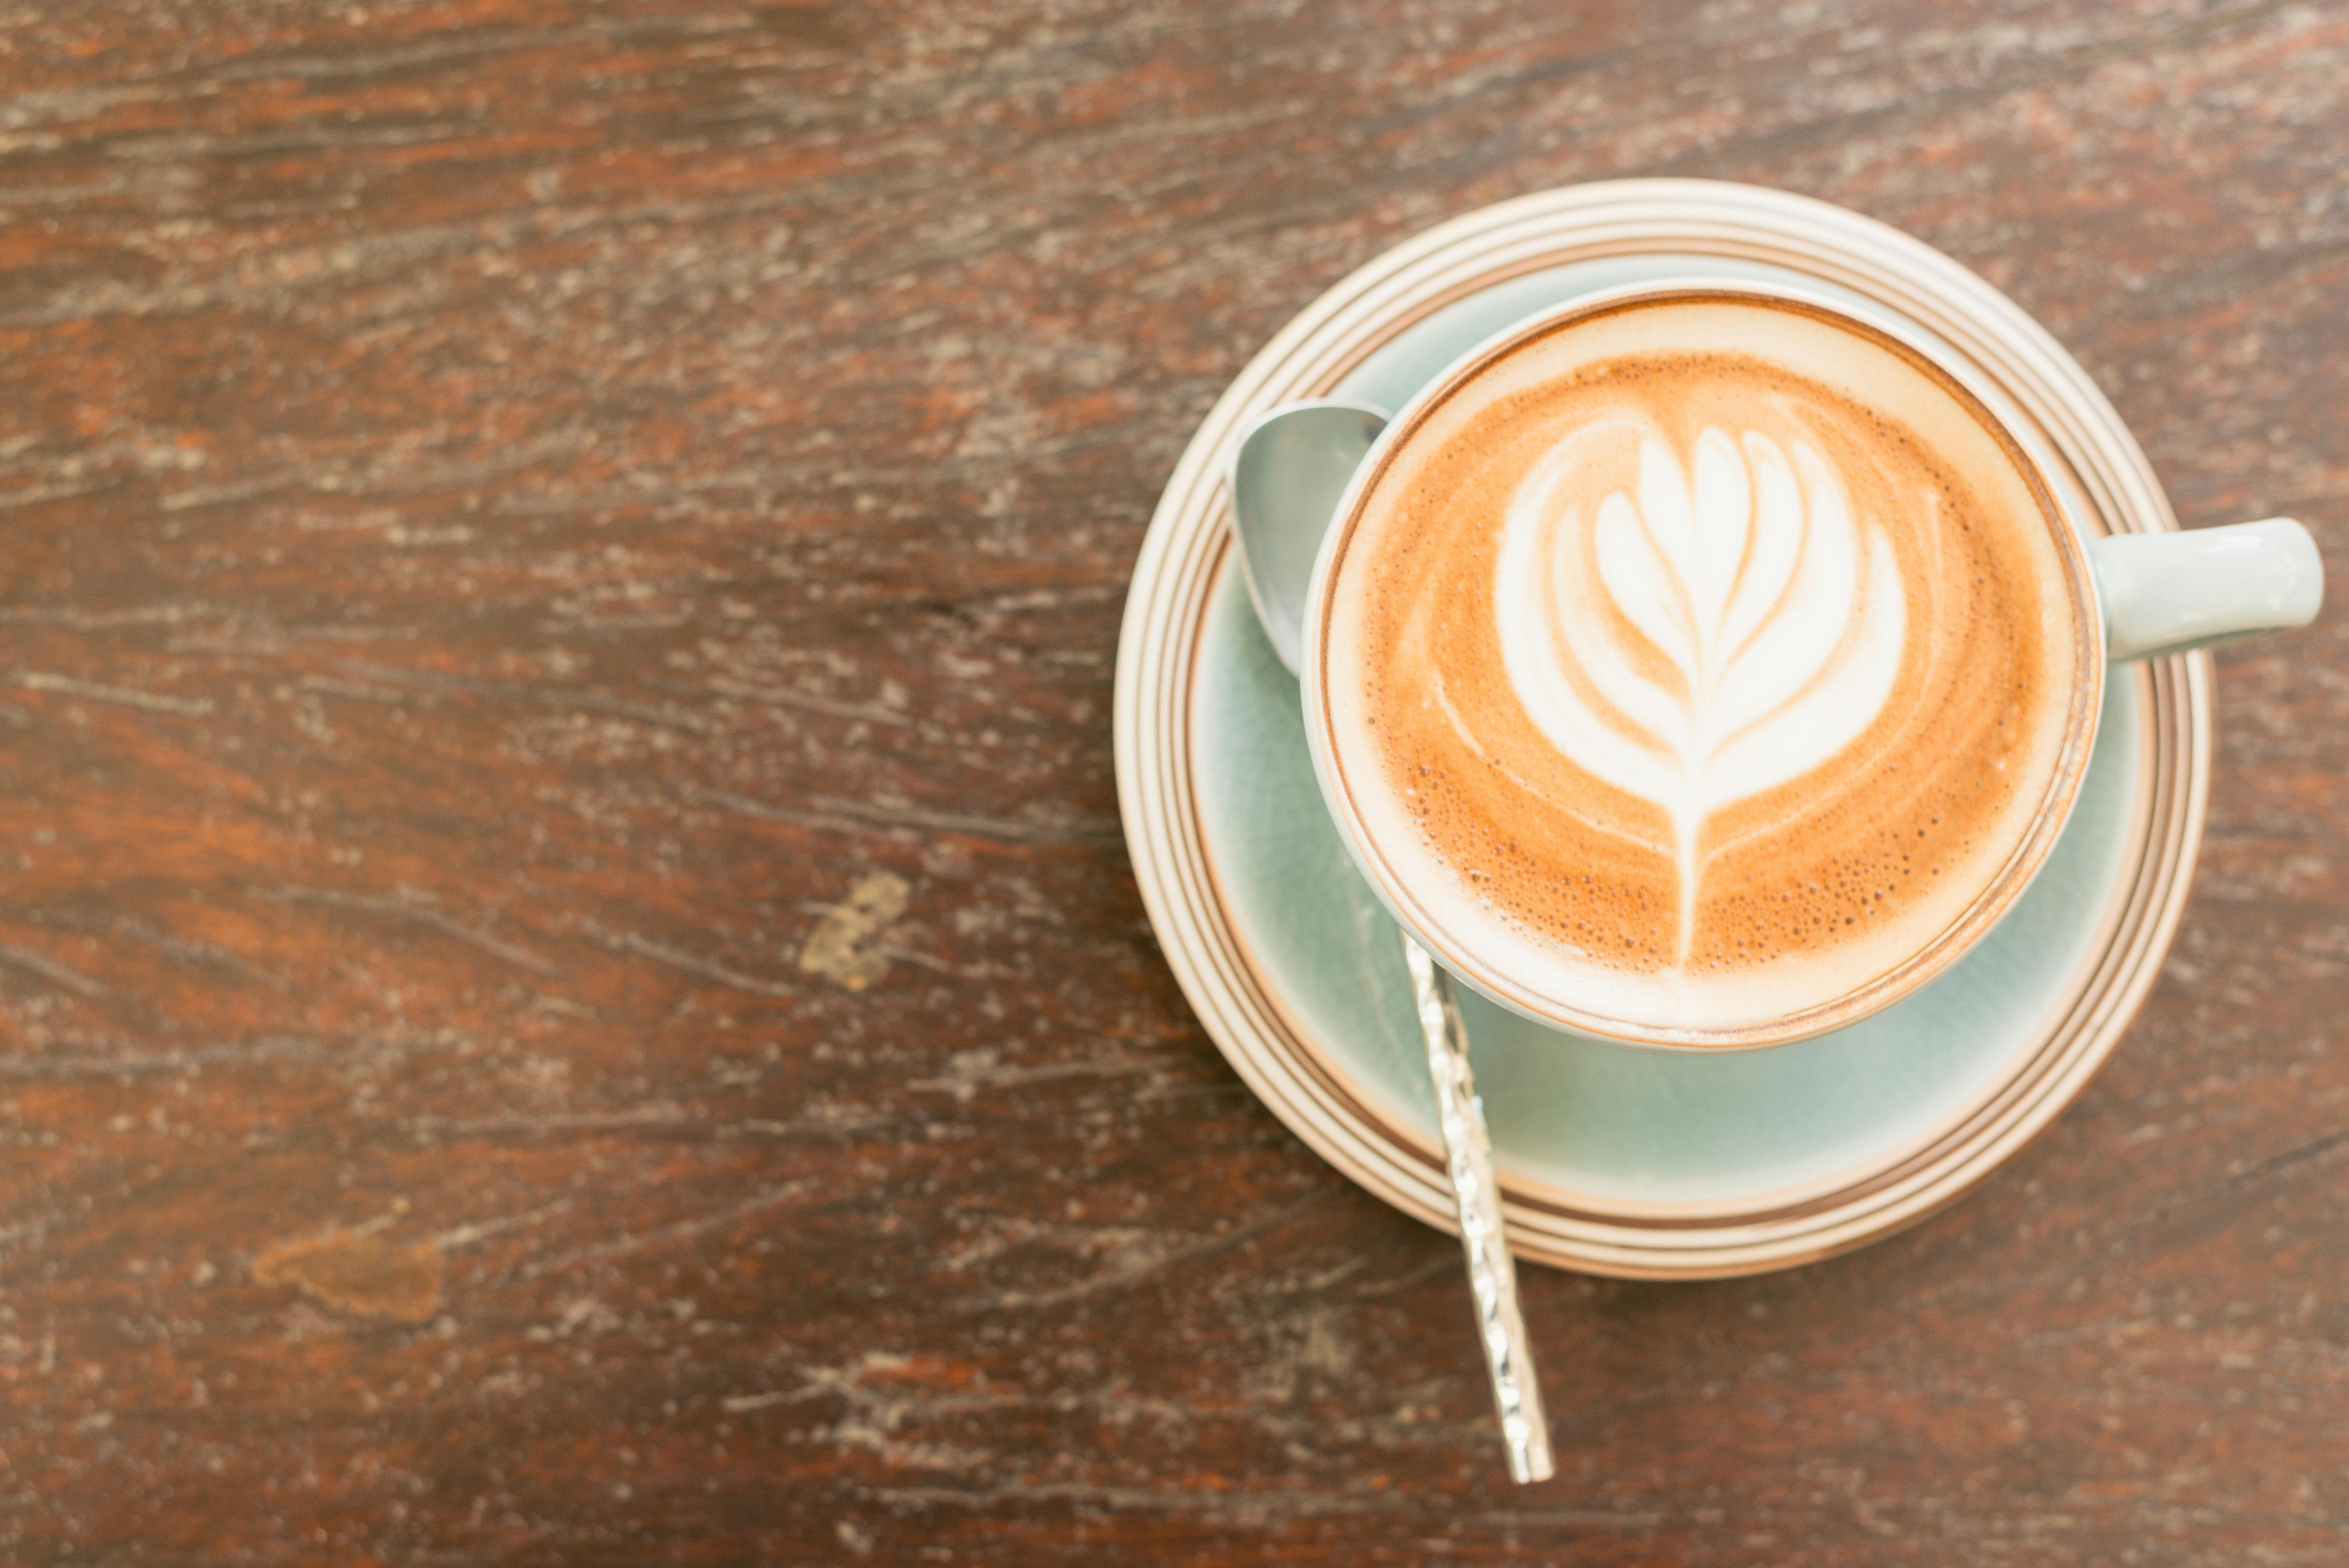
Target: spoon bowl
[{"x": 1288, "y": 471}]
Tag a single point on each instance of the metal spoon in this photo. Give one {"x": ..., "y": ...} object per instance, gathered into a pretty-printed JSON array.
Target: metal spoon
[{"x": 1288, "y": 472}]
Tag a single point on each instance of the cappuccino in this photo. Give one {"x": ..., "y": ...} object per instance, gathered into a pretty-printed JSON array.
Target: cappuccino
[{"x": 1700, "y": 662}]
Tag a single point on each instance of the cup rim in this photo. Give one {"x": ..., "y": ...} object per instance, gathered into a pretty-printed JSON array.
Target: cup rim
[{"x": 1997, "y": 896}]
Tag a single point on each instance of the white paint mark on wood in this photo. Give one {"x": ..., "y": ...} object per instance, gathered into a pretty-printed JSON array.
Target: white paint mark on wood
[{"x": 842, "y": 946}]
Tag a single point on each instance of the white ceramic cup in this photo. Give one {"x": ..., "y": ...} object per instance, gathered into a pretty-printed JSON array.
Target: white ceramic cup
[{"x": 2148, "y": 595}]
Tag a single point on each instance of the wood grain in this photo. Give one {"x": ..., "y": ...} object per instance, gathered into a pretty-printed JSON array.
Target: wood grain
[{"x": 569, "y": 988}]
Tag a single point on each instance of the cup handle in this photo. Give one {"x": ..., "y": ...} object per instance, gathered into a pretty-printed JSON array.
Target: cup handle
[{"x": 2167, "y": 592}]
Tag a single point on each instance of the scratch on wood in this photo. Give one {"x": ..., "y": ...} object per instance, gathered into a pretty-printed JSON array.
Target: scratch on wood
[
  {"x": 200, "y": 952},
  {"x": 50, "y": 969},
  {"x": 433, "y": 918},
  {"x": 726, "y": 799},
  {"x": 363, "y": 692},
  {"x": 682, "y": 1230},
  {"x": 2252, "y": 1175},
  {"x": 110, "y": 620},
  {"x": 482, "y": 1230},
  {"x": 841, "y": 948},
  {"x": 592, "y": 702},
  {"x": 239, "y": 490},
  {"x": 630, "y": 942},
  {"x": 843, "y": 816},
  {"x": 871, "y": 713},
  {"x": 982, "y": 1066},
  {"x": 1439, "y": 1268},
  {"x": 741, "y": 1403},
  {"x": 1146, "y": 1257},
  {"x": 153, "y": 702},
  {"x": 1270, "y": 1502},
  {"x": 1042, "y": 830},
  {"x": 663, "y": 1115},
  {"x": 817, "y": 1119},
  {"x": 33, "y": 495},
  {"x": 484, "y": 42},
  {"x": 876, "y": 1412},
  {"x": 67, "y": 1066},
  {"x": 359, "y": 1272}
]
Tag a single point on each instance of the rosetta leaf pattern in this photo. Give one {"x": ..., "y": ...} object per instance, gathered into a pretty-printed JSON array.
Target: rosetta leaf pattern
[{"x": 1720, "y": 627}]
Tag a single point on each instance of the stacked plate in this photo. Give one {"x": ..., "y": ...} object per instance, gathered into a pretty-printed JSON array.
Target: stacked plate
[{"x": 1617, "y": 1162}]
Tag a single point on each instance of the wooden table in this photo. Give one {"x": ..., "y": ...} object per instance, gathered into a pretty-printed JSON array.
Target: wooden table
[{"x": 570, "y": 989}]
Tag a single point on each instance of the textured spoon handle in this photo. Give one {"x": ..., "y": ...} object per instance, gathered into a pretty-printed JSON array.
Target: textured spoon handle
[{"x": 1492, "y": 1272}]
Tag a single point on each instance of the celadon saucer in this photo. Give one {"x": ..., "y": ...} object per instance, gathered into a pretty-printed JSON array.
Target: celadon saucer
[{"x": 1615, "y": 1160}]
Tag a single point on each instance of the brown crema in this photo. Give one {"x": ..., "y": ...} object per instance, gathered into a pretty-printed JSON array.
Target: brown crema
[{"x": 1697, "y": 665}]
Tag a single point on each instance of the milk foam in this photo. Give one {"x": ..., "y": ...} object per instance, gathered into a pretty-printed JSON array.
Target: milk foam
[
  {"x": 1698, "y": 664},
  {"x": 1781, "y": 619}
]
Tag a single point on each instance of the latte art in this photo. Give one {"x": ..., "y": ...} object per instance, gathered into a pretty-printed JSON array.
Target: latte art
[
  {"x": 1696, "y": 664},
  {"x": 1779, "y": 621}
]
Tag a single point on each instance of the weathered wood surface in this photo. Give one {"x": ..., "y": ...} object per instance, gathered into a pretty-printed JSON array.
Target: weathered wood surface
[{"x": 569, "y": 988}]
